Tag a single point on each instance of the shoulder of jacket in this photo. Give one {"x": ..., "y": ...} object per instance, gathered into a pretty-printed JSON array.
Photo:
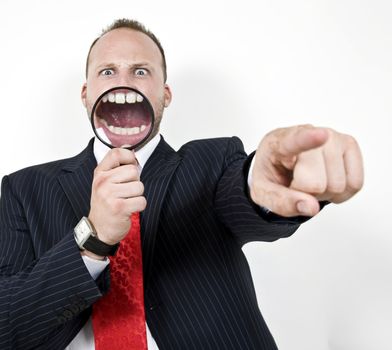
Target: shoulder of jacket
[{"x": 209, "y": 143}]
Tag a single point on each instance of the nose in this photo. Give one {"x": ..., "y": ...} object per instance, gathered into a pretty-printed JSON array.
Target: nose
[{"x": 126, "y": 79}]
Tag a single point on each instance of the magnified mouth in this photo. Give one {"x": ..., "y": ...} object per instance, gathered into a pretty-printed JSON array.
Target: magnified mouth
[{"x": 124, "y": 116}]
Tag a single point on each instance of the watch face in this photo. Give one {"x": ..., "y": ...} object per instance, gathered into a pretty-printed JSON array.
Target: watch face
[{"x": 82, "y": 232}]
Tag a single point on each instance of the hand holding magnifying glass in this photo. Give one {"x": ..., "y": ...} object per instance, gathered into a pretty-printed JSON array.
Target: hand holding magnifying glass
[{"x": 123, "y": 118}]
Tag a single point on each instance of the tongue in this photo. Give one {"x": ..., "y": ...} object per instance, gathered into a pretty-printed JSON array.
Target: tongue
[{"x": 123, "y": 115}]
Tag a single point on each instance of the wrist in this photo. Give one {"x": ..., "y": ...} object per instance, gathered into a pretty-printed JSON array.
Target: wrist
[
  {"x": 100, "y": 232},
  {"x": 87, "y": 240}
]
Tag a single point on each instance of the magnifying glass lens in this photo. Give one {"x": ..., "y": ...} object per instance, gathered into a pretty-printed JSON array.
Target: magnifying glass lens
[{"x": 122, "y": 117}]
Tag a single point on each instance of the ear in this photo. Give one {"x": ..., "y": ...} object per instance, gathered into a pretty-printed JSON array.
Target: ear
[
  {"x": 168, "y": 95},
  {"x": 83, "y": 94}
]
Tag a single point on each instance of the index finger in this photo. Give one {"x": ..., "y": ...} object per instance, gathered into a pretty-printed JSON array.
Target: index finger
[
  {"x": 116, "y": 157},
  {"x": 296, "y": 140}
]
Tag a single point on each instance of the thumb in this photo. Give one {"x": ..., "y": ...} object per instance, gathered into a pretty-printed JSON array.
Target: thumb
[{"x": 284, "y": 201}]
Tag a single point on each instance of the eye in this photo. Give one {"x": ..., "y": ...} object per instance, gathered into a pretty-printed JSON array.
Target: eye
[
  {"x": 141, "y": 71},
  {"x": 107, "y": 72}
]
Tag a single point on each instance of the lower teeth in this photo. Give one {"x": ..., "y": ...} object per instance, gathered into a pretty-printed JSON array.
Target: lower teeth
[{"x": 124, "y": 131}]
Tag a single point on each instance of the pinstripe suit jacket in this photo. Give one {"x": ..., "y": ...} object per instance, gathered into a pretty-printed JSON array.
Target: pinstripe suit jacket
[{"x": 199, "y": 292}]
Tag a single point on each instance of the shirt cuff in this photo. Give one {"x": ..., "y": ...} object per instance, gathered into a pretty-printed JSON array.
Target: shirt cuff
[
  {"x": 263, "y": 209},
  {"x": 250, "y": 172},
  {"x": 95, "y": 267}
]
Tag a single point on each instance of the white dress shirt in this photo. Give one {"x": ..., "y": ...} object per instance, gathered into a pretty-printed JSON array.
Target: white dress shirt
[{"x": 85, "y": 338}]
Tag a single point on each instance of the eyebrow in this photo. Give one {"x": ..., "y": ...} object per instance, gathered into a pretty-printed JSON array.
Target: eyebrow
[{"x": 113, "y": 65}]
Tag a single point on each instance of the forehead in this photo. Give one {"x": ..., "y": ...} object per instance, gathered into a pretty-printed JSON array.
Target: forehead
[{"x": 125, "y": 45}]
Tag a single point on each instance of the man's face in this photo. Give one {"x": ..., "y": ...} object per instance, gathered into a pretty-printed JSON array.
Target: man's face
[{"x": 125, "y": 57}]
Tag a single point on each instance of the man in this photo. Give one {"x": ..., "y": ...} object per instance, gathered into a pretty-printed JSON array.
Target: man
[{"x": 198, "y": 207}]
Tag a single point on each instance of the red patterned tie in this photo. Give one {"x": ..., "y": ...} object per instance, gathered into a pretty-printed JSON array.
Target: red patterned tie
[{"x": 118, "y": 317}]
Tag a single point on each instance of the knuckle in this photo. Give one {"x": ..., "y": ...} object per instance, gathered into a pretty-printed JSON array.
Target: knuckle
[
  {"x": 278, "y": 204},
  {"x": 331, "y": 133},
  {"x": 283, "y": 208},
  {"x": 99, "y": 179},
  {"x": 336, "y": 187},
  {"x": 258, "y": 193},
  {"x": 115, "y": 153},
  {"x": 133, "y": 171},
  {"x": 309, "y": 185},
  {"x": 274, "y": 132},
  {"x": 305, "y": 126},
  {"x": 102, "y": 193},
  {"x": 140, "y": 187},
  {"x": 351, "y": 141},
  {"x": 355, "y": 184},
  {"x": 117, "y": 206},
  {"x": 142, "y": 203},
  {"x": 271, "y": 139},
  {"x": 279, "y": 207},
  {"x": 316, "y": 187}
]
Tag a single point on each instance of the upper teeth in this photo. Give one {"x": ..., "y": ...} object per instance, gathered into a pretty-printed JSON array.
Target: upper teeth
[{"x": 122, "y": 97}]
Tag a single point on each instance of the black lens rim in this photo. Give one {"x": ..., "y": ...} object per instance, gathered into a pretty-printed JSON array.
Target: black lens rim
[{"x": 149, "y": 106}]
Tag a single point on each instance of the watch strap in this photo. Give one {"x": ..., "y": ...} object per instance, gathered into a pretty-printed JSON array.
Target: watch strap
[{"x": 94, "y": 245}]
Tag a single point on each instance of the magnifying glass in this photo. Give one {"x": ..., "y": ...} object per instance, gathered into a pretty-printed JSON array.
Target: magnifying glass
[{"x": 122, "y": 117}]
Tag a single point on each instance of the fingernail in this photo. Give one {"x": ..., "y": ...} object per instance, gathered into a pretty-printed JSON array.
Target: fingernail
[{"x": 303, "y": 208}]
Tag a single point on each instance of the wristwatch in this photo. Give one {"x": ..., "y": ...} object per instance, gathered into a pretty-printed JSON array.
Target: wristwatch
[{"x": 87, "y": 239}]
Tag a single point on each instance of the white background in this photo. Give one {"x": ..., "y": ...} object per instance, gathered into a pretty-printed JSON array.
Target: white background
[{"x": 240, "y": 68}]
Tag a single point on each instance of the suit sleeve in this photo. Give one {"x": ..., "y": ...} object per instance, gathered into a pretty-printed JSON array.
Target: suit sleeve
[
  {"x": 39, "y": 297},
  {"x": 246, "y": 221}
]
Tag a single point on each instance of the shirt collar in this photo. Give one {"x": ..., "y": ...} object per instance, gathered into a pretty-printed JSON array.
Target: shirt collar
[{"x": 142, "y": 155}]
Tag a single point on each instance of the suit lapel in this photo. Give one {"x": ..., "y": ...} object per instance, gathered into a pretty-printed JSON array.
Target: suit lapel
[
  {"x": 77, "y": 178},
  {"x": 156, "y": 176}
]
